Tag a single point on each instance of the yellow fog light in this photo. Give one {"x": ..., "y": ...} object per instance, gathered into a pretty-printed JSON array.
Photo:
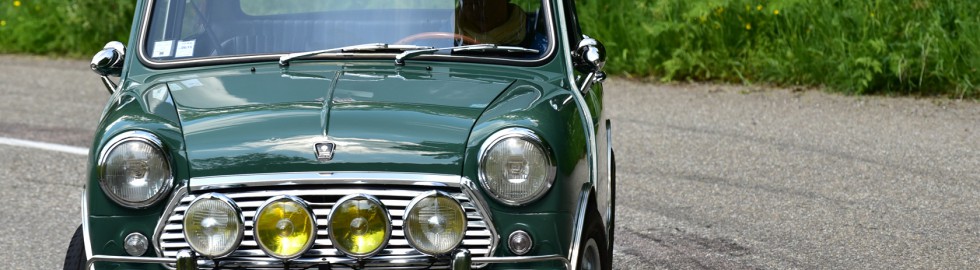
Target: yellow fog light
[
  {"x": 435, "y": 223},
  {"x": 359, "y": 225},
  {"x": 213, "y": 225},
  {"x": 284, "y": 227}
]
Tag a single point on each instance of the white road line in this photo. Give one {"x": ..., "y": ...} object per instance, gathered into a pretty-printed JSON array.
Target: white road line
[{"x": 44, "y": 146}]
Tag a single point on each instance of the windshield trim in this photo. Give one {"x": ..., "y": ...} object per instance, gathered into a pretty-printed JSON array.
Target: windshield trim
[{"x": 239, "y": 59}]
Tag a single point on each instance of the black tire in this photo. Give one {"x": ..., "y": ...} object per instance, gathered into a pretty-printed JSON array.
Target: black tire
[
  {"x": 75, "y": 258},
  {"x": 593, "y": 251}
]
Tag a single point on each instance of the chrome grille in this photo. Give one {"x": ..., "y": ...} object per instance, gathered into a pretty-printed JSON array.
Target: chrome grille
[{"x": 396, "y": 254}]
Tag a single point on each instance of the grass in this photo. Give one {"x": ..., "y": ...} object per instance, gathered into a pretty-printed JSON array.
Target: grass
[
  {"x": 904, "y": 47},
  {"x": 75, "y": 28},
  {"x": 894, "y": 47}
]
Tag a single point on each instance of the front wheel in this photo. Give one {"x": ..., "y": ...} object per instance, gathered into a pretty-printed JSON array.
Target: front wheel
[
  {"x": 594, "y": 253},
  {"x": 75, "y": 257}
]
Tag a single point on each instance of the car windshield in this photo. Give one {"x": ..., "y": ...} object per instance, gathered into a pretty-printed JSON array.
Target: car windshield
[{"x": 181, "y": 30}]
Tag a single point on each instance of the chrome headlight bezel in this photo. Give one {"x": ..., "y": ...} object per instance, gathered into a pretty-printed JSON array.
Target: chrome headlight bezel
[
  {"x": 527, "y": 136},
  {"x": 406, "y": 226},
  {"x": 157, "y": 146},
  {"x": 240, "y": 221}
]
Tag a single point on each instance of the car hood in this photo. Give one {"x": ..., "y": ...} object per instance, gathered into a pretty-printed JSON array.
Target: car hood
[{"x": 379, "y": 118}]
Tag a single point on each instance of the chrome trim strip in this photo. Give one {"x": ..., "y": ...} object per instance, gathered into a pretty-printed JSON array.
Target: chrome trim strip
[
  {"x": 590, "y": 131},
  {"x": 480, "y": 202},
  {"x": 314, "y": 178},
  {"x": 583, "y": 200},
  {"x": 524, "y": 259},
  {"x": 610, "y": 204},
  {"x": 529, "y": 136},
  {"x": 144, "y": 28},
  {"x": 179, "y": 193},
  {"x": 125, "y": 259},
  {"x": 87, "y": 242}
]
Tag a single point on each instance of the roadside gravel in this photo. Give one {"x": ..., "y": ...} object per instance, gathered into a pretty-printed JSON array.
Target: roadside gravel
[{"x": 733, "y": 177}]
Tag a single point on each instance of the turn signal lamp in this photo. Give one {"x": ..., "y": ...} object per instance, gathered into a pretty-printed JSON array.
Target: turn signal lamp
[
  {"x": 435, "y": 223},
  {"x": 284, "y": 227},
  {"x": 359, "y": 225}
]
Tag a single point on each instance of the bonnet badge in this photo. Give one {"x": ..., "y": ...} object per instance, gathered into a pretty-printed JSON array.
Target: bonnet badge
[{"x": 324, "y": 151}]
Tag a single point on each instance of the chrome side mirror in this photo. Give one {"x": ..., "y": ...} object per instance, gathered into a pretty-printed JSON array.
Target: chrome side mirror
[
  {"x": 109, "y": 62},
  {"x": 590, "y": 58}
]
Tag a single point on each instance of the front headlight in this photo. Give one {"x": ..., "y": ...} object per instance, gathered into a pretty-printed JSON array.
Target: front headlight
[
  {"x": 213, "y": 225},
  {"x": 515, "y": 166},
  {"x": 134, "y": 171}
]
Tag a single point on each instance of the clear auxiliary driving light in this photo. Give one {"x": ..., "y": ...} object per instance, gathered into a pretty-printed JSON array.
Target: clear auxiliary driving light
[
  {"x": 435, "y": 223},
  {"x": 213, "y": 225}
]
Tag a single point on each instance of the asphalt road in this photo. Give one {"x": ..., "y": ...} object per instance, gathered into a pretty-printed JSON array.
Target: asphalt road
[{"x": 710, "y": 177}]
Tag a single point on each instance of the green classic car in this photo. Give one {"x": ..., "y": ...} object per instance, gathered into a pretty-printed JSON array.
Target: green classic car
[{"x": 342, "y": 134}]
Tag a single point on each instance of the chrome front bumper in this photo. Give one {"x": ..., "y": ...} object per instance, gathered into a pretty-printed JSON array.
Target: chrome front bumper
[{"x": 187, "y": 260}]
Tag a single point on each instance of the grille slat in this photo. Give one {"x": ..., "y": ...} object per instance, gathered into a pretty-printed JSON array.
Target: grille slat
[{"x": 478, "y": 237}]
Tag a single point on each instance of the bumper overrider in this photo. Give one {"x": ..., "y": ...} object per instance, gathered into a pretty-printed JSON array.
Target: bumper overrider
[{"x": 324, "y": 196}]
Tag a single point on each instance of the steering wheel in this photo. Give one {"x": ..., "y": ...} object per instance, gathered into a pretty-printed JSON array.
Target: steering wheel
[{"x": 437, "y": 35}]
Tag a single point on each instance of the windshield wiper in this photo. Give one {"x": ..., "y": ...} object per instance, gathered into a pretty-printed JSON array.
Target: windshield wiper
[
  {"x": 369, "y": 47},
  {"x": 400, "y": 58}
]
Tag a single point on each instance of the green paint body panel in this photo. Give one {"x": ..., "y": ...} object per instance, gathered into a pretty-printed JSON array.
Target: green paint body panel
[
  {"x": 380, "y": 117},
  {"x": 425, "y": 117}
]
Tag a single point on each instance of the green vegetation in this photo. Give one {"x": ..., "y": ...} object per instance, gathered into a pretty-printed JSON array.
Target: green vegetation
[
  {"x": 915, "y": 47},
  {"x": 77, "y": 28}
]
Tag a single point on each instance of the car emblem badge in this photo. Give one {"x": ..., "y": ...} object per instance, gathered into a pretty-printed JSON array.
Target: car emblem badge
[{"x": 324, "y": 151}]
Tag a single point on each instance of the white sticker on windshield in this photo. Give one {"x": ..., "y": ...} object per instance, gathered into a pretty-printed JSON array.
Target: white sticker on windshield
[
  {"x": 185, "y": 48},
  {"x": 163, "y": 48}
]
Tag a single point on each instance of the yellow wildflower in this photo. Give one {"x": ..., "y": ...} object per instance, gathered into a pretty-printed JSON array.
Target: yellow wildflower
[
  {"x": 758, "y": 7},
  {"x": 775, "y": 12},
  {"x": 3, "y": 23},
  {"x": 16, "y": 3},
  {"x": 748, "y": 26}
]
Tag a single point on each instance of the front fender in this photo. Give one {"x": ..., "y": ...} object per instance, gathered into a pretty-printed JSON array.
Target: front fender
[
  {"x": 138, "y": 108},
  {"x": 547, "y": 111}
]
